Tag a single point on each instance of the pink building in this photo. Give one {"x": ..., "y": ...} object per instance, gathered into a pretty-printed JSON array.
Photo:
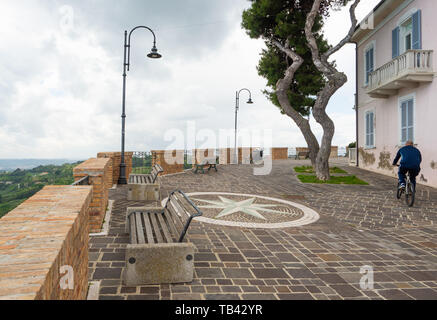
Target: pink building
[{"x": 396, "y": 85}]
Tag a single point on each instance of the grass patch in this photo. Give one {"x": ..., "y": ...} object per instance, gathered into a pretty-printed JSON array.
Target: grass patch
[
  {"x": 333, "y": 180},
  {"x": 141, "y": 170},
  {"x": 309, "y": 169}
]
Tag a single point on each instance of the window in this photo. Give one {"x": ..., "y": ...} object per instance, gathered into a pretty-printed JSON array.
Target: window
[
  {"x": 407, "y": 120},
  {"x": 369, "y": 62},
  {"x": 408, "y": 34},
  {"x": 370, "y": 129}
]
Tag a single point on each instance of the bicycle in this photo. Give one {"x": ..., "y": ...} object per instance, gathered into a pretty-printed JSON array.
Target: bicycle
[{"x": 409, "y": 190}]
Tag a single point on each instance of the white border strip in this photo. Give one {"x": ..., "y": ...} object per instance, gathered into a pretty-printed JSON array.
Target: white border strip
[
  {"x": 105, "y": 227},
  {"x": 93, "y": 290}
]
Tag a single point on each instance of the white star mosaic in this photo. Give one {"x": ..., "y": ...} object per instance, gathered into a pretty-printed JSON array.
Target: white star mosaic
[{"x": 249, "y": 207}]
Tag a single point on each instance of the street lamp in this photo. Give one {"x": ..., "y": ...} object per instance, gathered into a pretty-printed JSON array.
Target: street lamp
[
  {"x": 126, "y": 64},
  {"x": 237, "y": 107}
]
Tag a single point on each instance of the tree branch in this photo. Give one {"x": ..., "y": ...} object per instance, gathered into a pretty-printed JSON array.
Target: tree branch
[
  {"x": 350, "y": 33},
  {"x": 322, "y": 66}
]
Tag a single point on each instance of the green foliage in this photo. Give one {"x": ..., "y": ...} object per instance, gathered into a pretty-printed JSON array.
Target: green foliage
[
  {"x": 309, "y": 169},
  {"x": 17, "y": 186},
  {"x": 352, "y": 145},
  {"x": 282, "y": 20},
  {"x": 334, "y": 180}
]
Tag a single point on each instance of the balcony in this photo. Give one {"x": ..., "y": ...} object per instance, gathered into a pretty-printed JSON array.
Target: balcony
[{"x": 408, "y": 70}]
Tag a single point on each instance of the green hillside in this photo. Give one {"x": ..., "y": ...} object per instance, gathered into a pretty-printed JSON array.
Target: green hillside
[{"x": 19, "y": 185}]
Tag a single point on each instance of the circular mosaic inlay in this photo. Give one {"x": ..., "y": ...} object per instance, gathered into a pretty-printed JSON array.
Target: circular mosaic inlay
[{"x": 251, "y": 211}]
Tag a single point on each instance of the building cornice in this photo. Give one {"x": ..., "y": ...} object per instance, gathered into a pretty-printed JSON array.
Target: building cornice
[{"x": 380, "y": 15}]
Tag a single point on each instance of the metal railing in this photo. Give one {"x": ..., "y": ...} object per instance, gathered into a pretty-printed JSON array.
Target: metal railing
[
  {"x": 85, "y": 181},
  {"x": 141, "y": 162}
]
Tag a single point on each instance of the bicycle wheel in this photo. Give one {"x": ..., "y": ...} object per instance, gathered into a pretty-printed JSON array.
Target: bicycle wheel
[
  {"x": 410, "y": 195},
  {"x": 399, "y": 192}
]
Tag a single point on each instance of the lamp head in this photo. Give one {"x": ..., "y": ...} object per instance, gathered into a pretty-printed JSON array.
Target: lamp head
[
  {"x": 250, "y": 101},
  {"x": 154, "y": 53}
]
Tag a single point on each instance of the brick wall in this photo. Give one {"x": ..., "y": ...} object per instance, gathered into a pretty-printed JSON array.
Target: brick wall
[
  {"x": 171, "y": 161},
  {"x": 279, "y": 153},
  {"x": 226, "y": 155},
  {"x": 115, "y": 165},
  {"x": 201, "y": 154},
  {"x": 244, "y": 155},
  {"x": 99, "y": 173},
  {"x": 334, "y": 151},
  {"x": 46, "y": 232}
]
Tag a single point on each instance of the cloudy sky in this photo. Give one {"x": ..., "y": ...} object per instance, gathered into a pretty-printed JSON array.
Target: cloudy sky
[{"x": 61, "y": 76}]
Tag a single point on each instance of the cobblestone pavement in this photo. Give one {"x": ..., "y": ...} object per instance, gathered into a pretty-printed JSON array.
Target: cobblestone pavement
[{"x": 358, "y": 226}]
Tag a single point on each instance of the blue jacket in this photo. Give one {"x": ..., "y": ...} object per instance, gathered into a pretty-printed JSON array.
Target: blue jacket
[{"x": 410, "y": 158}]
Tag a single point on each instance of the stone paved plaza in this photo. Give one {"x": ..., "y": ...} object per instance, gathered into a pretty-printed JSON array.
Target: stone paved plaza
[{"x": 358, "y": 226}]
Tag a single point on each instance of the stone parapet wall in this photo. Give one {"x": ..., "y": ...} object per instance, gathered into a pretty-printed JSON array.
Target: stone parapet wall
[
  {"x": 115, "y": 165},
  {"x": 44, "y": 235},
  {"x": 99, "y": 173},
  {"x": 171, "y": 161}
]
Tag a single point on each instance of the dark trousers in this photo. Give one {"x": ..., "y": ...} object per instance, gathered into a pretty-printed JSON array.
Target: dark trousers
[{"x": 413, "y": 174}]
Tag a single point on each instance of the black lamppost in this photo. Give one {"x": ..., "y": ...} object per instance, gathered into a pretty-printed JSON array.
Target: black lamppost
[
  {"x": 237, "y": 107},
  {"x": 126, "y": 64}
]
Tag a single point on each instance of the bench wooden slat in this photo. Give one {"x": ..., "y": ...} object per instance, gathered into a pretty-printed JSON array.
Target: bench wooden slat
[
  {"x": 183, "y": 215},
  {"x": 174, "y": 216},
  {"x": 165, "y": 230},
  {"x": 140, "y": 230},
  {"x": 156, "y": 227},
  {"x": 181, "y": 204},
  {"x": 133, "y": 229},
  {"x": 171, "y": 224},
  {"x": 149, "y": 232}
]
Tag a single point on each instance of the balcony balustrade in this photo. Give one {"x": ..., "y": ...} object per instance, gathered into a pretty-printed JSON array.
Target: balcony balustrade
[{"x": 408, "y": 70}]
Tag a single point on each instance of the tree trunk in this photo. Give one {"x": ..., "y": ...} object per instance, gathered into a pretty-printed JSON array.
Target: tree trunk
[
  {"x": 319, "y": 155},
  {"x": 336, "y": 80}
]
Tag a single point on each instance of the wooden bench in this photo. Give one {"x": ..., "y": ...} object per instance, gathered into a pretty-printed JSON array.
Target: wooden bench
[
  {"x": 157, "y": 252},
  {"x": 144, "y": 187},
  {"x": 211, "y": 163}
]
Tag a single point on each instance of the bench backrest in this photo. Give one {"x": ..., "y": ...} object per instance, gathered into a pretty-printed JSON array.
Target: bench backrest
[
  {"x": 162, "y": 225},
  {"x": 156, "y": 170},
  {"x": 181, "y": 211}
]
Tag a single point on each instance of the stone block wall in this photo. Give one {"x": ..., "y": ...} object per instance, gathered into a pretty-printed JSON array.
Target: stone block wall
[
  {"x": 115, "y": 165},
  {"x": 99, "y": 173},
  {"x": 45, "y": 233},
  {"x": 171, "y": 161}
]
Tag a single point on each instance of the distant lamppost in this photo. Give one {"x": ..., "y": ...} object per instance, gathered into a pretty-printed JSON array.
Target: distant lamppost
[
  {"x": 126, "y": 64},
  {"x": 237, "y": 107}
]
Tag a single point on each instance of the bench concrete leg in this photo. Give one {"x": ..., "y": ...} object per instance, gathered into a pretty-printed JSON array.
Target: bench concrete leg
[
  {"x": 143, "y": 192},
  {"x": 159, "y": 263}
]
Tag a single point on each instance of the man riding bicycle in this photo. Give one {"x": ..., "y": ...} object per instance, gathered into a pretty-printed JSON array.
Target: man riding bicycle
[{"x": 411, "y": 159}]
